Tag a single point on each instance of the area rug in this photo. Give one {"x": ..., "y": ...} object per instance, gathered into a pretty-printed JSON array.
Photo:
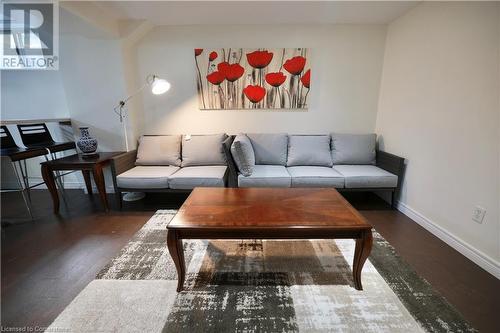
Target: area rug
[{"x": 256, "y": 286}]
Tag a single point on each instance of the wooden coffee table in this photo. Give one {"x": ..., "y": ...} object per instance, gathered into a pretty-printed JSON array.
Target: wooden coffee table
[{"x": 268, "y": 213}]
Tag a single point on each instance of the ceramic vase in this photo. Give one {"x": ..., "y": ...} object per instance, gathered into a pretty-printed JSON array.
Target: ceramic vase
[{"x": 86, "y": 143}]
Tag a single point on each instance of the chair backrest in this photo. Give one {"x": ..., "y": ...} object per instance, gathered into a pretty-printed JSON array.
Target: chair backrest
[
  {"x": 7, "y": 141},
  {"x": 35, "y": 134}
]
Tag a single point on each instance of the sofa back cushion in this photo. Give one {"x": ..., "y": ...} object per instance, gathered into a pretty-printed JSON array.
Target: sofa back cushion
[
  {"x": 269, "y": 148},
  {"x": 159, "y": 150},
  {"x": 353, "y": 148},
  {"x": 243, "y": 154},
  {"x": 203, "y": 150},
  {"x": 309, "y": 150}
]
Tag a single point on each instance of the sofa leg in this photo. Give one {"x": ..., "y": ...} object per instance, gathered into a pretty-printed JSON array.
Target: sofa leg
[{"x": 393, "y": 200}]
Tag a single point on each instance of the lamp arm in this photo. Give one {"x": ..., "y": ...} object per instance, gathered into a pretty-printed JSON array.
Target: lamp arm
[
  {"x": 119, "y": 108},
  {"x": 124, "y": 101},
  {"x": 149, "y": 80}
]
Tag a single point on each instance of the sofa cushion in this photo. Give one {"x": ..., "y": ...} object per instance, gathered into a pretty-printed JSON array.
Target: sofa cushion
[
  {"x": 146, "y": 177},
  {"x": 243, "y": 154},
  {"x": 266, "y": 176},
  {"x": 269, "y": 148},
  {"x": 159, "y": 150},
  {"x": 309, "y": 150},
  {"x": 315, "y": 176},
  {"x": 366, "y": 176},
  {"x": 353, "y": 148},
  {"x": 203, "y": 150},
  {"x": 198, "y": 176}
]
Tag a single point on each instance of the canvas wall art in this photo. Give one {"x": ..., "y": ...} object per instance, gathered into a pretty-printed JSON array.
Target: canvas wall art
[{"x": 237, "y": 78}]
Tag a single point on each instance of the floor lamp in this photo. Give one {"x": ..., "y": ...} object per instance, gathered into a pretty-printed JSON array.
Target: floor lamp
[{"x": 158, "y": 87}]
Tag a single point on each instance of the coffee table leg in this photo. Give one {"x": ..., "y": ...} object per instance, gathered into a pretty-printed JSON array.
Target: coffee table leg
[
  {"x": 361, "y": 253},
  {"x": 174, "y": 244}
]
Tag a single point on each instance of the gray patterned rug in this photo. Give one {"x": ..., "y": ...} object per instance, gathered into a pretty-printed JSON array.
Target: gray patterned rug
[{"x": 256, "y": 286}]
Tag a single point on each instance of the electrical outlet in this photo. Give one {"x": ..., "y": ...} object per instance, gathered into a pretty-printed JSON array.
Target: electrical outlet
[{"x": 478, "y": 214}]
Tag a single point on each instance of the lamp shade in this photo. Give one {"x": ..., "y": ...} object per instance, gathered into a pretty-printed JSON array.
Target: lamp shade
[{"x": 159, "y": 86}]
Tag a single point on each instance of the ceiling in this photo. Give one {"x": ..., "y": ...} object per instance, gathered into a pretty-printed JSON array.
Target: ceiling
[{"x": 256, "y": 12}]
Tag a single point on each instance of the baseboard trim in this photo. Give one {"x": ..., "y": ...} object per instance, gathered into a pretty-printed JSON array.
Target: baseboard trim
[{"x": 481, "y": 259}]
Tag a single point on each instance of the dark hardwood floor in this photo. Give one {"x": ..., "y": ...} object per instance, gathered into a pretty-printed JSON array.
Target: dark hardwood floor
[{"x": 48, "y": 261}]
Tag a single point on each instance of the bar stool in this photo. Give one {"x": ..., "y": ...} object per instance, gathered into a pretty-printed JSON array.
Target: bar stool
[
  {"x": 38, "y": 136},
  {"x": 18, "y": 154}
]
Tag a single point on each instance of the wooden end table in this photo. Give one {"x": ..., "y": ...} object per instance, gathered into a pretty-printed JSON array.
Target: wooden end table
[
  {"x": 268, "y": 213},
  {"x": 86, "y": 165}
]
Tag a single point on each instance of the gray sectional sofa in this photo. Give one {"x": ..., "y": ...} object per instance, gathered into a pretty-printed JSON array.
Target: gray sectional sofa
[
  {"x": 348, "y": 162},
  {"x": 175, "y": 163}
]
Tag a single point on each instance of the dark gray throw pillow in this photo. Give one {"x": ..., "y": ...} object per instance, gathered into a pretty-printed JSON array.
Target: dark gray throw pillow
[
  {"x": 243, "y": 154},
  {"x": 353, "y": 148}
]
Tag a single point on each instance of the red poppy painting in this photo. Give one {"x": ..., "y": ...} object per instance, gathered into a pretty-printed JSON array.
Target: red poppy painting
[
  {"x": 268, "y": 79},
  {"x": 275, "y": 79},
  {"x": 254, "y": 93}
]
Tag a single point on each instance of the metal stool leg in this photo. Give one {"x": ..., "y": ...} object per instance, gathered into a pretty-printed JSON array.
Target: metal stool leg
[
  {"x": 54, "y": 157},
  {"x": 26, "y": 202},
  {"x": 58, "y": 174},
  {"x": 26, "y": 180}
]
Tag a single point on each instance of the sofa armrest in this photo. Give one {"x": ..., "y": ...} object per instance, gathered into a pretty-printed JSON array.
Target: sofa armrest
[
  {"x": 123, "y": 162},
  {"x": 393, "y": 164},
  {"x": 389, "y": 162},
  {"x": 232, "y": 175}
]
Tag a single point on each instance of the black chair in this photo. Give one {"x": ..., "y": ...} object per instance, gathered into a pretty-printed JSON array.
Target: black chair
[
  {"x": 38, "y": 136},
  {"x": 18, "y": 157}
]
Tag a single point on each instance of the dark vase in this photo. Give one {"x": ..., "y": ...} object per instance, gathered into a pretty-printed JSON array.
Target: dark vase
[{"x": 86, "y": 143}]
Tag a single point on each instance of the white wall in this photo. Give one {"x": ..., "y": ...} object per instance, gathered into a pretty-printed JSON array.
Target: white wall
[
  {"x": 134, "y": 115},
  {"x": 32, "y": 94},
  {"x": 346, "y": 67},
  {"x": 439, "y": 107},
  {"x": 93, "y": 76},
  {"x": 92, "y": 73}
]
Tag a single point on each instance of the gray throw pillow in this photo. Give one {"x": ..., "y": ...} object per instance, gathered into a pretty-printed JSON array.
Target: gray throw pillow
[
  {"x": 309, "y": 150},
  {"x": 269, "y": 148},
  {"x": 243, "y": 154},
  {"x": 203, "y": 150},
  {"x": 353, "y": 148},
  {"x": 159, "y": 150}
]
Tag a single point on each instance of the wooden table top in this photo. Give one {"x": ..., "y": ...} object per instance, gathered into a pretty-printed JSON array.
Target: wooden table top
[
  {"x": 78, "y": 159},
  {"x": 248, "y": 208}
]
